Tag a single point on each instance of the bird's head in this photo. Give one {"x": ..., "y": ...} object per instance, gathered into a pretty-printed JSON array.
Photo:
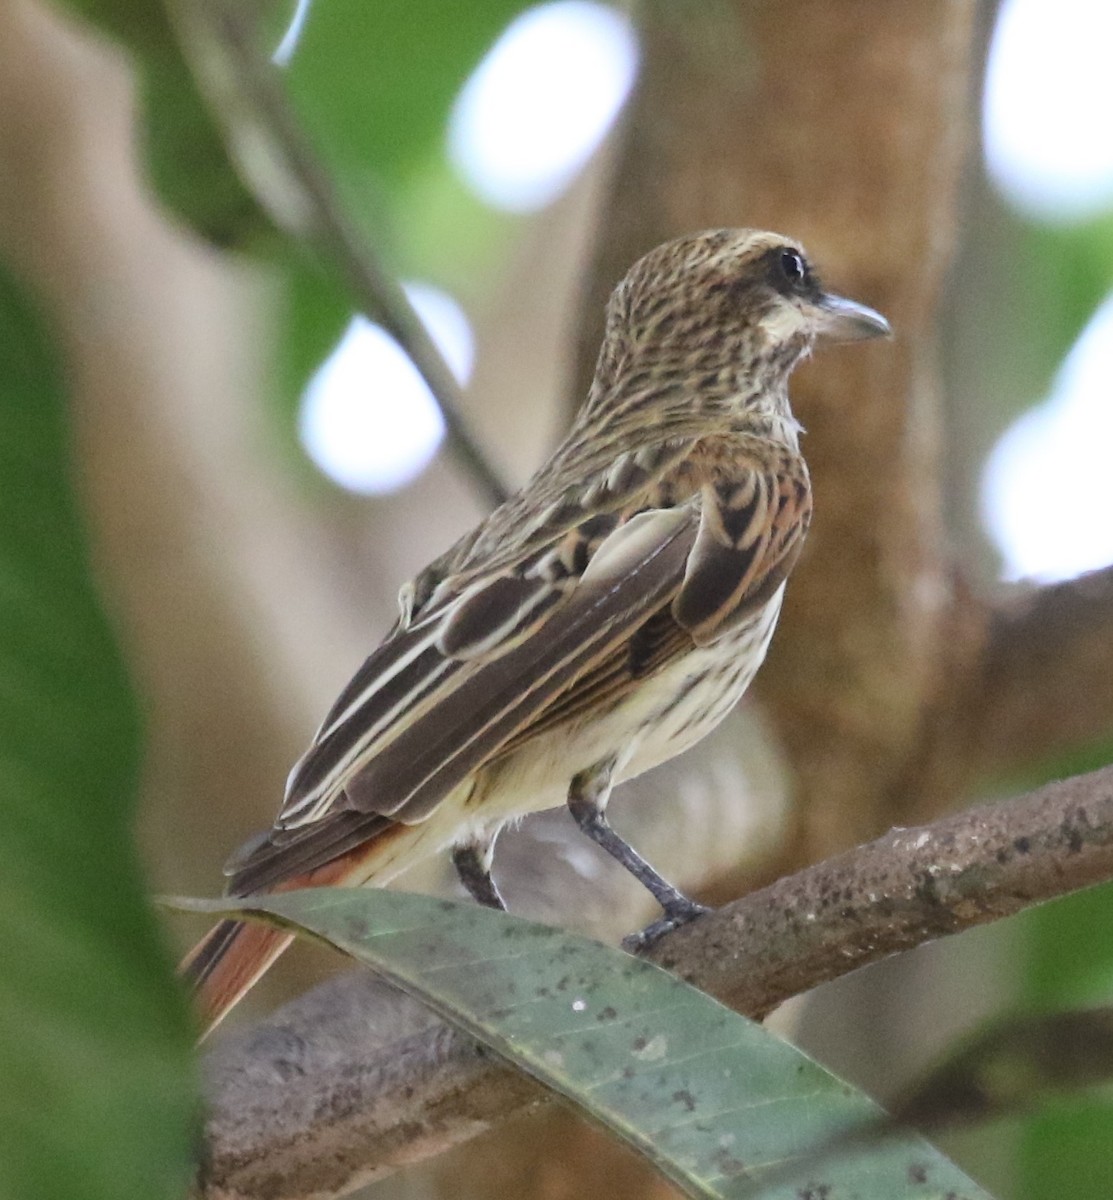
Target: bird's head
[{"x": 733, "y": 309}]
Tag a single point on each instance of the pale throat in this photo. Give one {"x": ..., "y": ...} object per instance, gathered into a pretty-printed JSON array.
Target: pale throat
[
  {"x": 783, "y": 322},
  {"x": 764, "y": 412}
]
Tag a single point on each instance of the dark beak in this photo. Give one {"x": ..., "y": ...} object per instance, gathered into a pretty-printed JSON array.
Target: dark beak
[{"x": 840, "y": 320}]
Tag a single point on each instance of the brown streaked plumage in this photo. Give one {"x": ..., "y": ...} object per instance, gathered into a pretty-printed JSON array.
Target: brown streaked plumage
[{"x": 599, "y": 622}]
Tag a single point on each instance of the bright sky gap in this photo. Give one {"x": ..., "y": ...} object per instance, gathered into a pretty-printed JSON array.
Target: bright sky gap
[
  {"x": 1049, "y": 92},
  {"x": 368, "y": 420}
]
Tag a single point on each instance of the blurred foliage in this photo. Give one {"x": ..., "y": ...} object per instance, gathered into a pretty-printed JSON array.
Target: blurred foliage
[
  {"x": 1065, "y": 1152},
  {"x": 1065, "y": 271},
  {"x": 313, "y": 315},
  {"x": 1064, "y": 1149},
  {"x": 1067, "y": 946},
  {"x": 373, "y": 85},
  {"x": 1012, "y": 1065},
  {"x": 1067, "y": 949},
  {"x": 95, "y": 1053},
  {"x": 1022, "y": 292},
  {"x": 94, "y": 1039},
  {"x": 189, "y": 166},
  {"x": 374, "y": 82},
  {"x": 1055, "y": 278},
  {"x": 1026, "y": 290}
]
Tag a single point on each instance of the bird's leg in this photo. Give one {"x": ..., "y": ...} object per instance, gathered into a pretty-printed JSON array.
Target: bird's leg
[
  {"x": 472, "y": 860},
  {"x": 587, "y": 801}
]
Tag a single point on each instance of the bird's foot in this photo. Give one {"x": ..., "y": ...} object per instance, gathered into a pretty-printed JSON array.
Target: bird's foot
[{"x": 678, "y": 913}]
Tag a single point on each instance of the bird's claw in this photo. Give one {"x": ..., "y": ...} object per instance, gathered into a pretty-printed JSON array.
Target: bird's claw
[{"x": 675, "y": 916}]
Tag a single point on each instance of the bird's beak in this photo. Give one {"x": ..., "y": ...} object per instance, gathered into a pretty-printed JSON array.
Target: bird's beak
[{"x": 840, "y": 320}]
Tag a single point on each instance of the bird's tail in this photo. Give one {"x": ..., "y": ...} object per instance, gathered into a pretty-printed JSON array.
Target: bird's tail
[{"x": 227, "y": 962}]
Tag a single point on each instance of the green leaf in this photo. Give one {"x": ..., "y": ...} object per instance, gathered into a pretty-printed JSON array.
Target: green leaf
[
  {"x": 711, "y": 1099},
  {"x": 96, "y": 1089},
  {"x": 182, "y": 148},
  {"x": 374, "y": 83}
]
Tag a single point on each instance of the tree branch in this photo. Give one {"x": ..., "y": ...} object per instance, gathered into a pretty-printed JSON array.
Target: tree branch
[
  {"x": 278, "y": 162},
  {"x": 1045, "y": 680},
  {"x": 1026, "y": 674},
  {"x": 353, "y": 1080}
]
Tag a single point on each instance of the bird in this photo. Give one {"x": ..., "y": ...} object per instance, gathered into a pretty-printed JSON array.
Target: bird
[{"x": 603, "y": 619}]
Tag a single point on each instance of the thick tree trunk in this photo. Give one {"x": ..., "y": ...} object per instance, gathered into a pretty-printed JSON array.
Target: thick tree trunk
[{"x": 843, "y": 125}]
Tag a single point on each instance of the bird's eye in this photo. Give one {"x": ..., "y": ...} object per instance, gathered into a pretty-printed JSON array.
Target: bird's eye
[{"x": 793, "y": 267}]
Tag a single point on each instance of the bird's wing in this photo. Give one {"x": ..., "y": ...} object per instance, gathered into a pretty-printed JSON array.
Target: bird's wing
[
  {"x": 463, "y": 627},
  {"x": 497, "y": 665},
  {"x": 466, "y": 678},
  {"x": 478, "y": 703},
  {"x": 486, "y": 597},
  {"x": 752, "y": 527},
  {"x": 750, "y": 536}
]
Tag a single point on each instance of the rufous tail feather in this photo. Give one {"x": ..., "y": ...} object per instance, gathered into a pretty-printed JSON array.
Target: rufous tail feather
[
  {"x": 226, "y": 963},
  {"x": 233, "y": 955}
]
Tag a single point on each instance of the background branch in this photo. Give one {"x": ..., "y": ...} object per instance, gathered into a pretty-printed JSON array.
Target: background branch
[
  {"x": 223, "y": 42},
  {"x": 353, "y": 1080},
  {"x": 1045, "y": 679},
  {"x": 1027, "y": 674}
]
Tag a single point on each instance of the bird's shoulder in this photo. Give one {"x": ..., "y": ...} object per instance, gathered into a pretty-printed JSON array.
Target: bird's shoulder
[
  {"x": 552, "y": 527},
  {"x": 546, "y": 535}
]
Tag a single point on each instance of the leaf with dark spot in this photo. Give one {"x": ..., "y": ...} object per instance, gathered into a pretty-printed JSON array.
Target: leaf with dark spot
[{"x": 772, "y": 1123}]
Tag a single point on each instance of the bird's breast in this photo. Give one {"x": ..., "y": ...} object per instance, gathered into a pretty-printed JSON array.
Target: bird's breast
[
  {"x": 670, "y": 712},
  {"x": 685, "y": 701}
]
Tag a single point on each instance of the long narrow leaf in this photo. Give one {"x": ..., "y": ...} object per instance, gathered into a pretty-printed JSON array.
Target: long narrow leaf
[{"x": 714, "y": 1101}]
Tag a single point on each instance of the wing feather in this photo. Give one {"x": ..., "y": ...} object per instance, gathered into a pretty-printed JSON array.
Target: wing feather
[
  {"x": 491, "y": 703},
  {"x": 752, "y": 529},
  {"x": 489, "y": 663},
  {"x": 502, "y": 612},
  {"x": 750, "y": 536},
  {"x": 430, "y": 753},
  {"x": 278, "y": 855},
  {"x": 409, "y": 686}
]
